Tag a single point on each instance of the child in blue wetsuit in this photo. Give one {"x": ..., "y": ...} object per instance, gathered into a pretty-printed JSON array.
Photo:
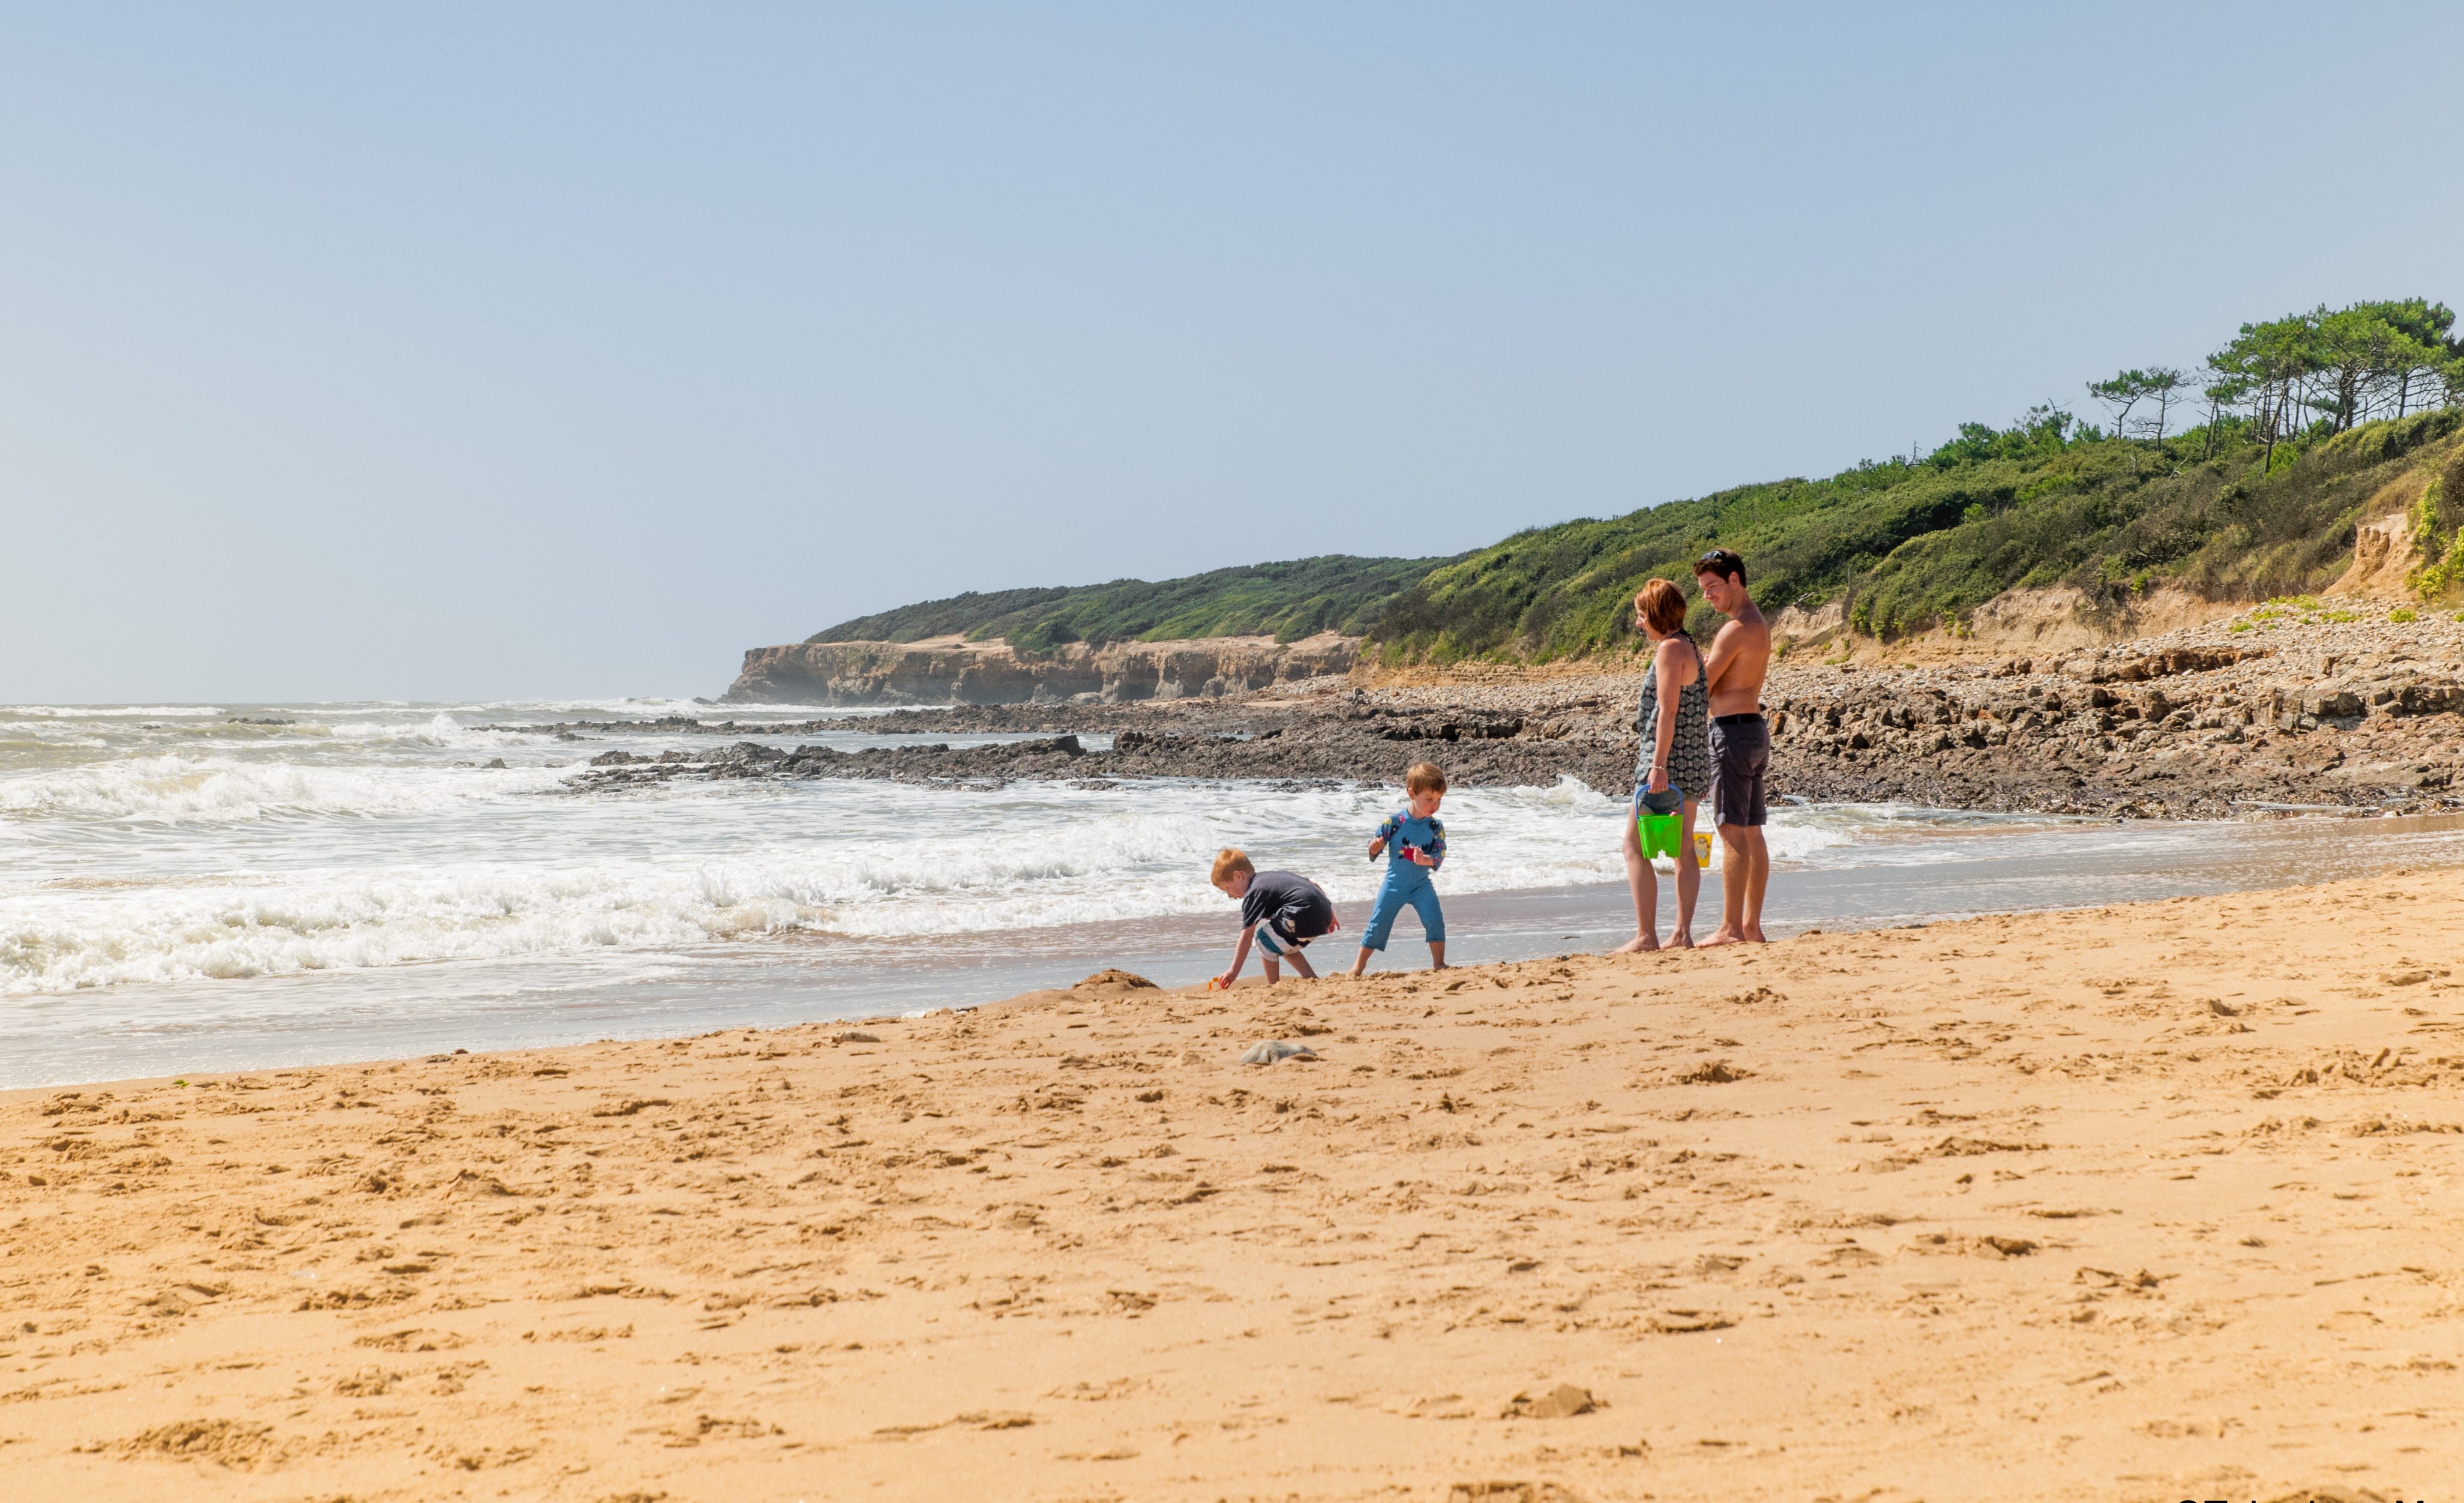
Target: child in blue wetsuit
[{"x": 1414, "y": 845}]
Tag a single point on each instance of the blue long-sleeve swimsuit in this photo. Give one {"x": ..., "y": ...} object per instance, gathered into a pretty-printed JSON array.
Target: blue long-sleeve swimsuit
[{"x": 1407, "y": 882}]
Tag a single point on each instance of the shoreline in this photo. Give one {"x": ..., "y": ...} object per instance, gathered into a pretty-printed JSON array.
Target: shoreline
[
  {"x": 1895, "y": 878},
  {"x": 1847, "y": 1208}
]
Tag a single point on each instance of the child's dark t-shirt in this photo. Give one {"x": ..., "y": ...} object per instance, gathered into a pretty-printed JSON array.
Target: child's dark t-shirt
[{"x": 1295, "y": 906}]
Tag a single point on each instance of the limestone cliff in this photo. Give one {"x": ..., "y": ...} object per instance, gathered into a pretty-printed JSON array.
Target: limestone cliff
[{"x": 950, "y": 671}]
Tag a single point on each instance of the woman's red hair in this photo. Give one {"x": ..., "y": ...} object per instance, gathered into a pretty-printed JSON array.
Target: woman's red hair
[{"x": 1664, "y": 605}]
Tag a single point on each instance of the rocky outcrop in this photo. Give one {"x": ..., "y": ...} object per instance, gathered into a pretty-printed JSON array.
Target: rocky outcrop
[
  {"x": 1797, "y": 627},
  {"x": 2293, "y": 706},
  {"x": 950, "y": 671},
  {"x": 2136, "y": 663},
  {"x": 2384, "y": 549},
  {"x": 2280, "y": 707}
]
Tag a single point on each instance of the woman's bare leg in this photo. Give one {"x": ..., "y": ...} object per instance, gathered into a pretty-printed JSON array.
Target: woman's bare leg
[{"x": 1645, "y": 883}]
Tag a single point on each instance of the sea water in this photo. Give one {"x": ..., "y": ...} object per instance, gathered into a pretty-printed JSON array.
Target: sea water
[{"x": 188, "y": 887}]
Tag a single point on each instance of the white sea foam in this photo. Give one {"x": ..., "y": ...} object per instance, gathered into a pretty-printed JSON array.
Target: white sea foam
[
  {"x": 111, "y": 712},
  {"x": 439, "y": 730},
  {"x": 365, "y": 837},
  {"x": 174, "y": 790},
  {"x": 298, "y": 926},
  {"x": 867, "y": 861}
]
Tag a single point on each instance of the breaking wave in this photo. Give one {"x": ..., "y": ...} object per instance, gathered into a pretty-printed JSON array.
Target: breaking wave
[
  {"x": 174, "y": 789},
  {"x": 704, "y": 865},
  {"x": 200, "y": 842}
]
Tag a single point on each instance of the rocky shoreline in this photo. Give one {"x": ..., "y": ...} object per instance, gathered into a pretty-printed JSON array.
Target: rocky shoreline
[
  {"x": 2277, "y": 708},
  {"x": 954, "y": 670}
]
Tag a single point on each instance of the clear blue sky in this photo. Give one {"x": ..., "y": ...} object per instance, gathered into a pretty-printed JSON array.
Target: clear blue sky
[{"x": 490, "y": 350}]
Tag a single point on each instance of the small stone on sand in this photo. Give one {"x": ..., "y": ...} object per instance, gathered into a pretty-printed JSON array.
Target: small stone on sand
[
  {"x": 1563, "y": 1402},
  {"x": 1268, "y": 1051}
]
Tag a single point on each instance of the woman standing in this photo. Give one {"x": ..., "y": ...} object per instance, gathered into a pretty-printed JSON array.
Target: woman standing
[{"x": 1675, "y": 721}]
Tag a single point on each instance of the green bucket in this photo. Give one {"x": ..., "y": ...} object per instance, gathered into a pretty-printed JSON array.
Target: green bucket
[{"x": 1662, "y": 834}]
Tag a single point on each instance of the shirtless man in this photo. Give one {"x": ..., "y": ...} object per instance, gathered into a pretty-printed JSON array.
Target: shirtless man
[{"x": 1740, "y": 744}]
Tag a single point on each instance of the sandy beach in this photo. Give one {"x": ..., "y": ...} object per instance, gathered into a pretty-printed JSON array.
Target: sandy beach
[
  {"x": 633, "y": 644},
  {"x": 2146, "y": 1203}
]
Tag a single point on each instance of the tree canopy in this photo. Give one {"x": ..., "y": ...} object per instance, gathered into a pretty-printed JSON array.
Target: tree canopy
[{"x": 2341, "y": 368}]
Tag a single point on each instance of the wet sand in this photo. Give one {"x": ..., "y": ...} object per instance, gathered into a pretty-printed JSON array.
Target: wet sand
[{"x": 2150, "y": 1202}]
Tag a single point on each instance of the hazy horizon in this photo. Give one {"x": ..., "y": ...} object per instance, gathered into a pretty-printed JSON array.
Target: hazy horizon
[{"x": 568, "y": 352}]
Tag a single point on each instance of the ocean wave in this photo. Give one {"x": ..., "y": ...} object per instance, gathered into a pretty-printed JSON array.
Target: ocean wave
[
  {"x": 177, "y": 789},
  {"x": 112, "y": 712},
  {"x": 440, "y": 730},
  {"x": 1036, "y": 860},
  {"x": 59, "y": 941},
  {"x": 469, "y": 865},
  {"x": 295, "y": 927}
]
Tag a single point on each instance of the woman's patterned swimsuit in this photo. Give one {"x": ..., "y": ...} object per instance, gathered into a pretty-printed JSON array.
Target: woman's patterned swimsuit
[{"x": 1689, "y": 751}]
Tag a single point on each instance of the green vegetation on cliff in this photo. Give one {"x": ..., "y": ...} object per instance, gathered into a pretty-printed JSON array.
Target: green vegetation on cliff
[
  {"x": 1287, "y": 601},
  {"x": 2307, "y": 420},
  {"x": 1912, "y": 546},
  {"x": 2304, "y": 423}
]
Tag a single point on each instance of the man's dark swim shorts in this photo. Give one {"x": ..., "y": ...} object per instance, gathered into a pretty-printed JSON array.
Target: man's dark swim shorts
[{"x": 1740, "y": 755}]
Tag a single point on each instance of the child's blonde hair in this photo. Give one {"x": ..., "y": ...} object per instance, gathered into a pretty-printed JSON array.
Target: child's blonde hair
[
  {"x": 1425, "y": 777},
  {"x": 1228, "y": 861}
]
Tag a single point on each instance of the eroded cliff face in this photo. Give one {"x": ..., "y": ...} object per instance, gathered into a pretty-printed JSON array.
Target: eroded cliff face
[{"x": 950, "y": 670}]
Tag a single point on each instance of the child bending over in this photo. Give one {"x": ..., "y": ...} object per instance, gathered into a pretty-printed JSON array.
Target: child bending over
[{"x": 1282, "y": 911}]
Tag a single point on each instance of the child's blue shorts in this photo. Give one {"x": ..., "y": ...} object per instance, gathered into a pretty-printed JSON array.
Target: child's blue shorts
[{"x": 1407, "y": 884}]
